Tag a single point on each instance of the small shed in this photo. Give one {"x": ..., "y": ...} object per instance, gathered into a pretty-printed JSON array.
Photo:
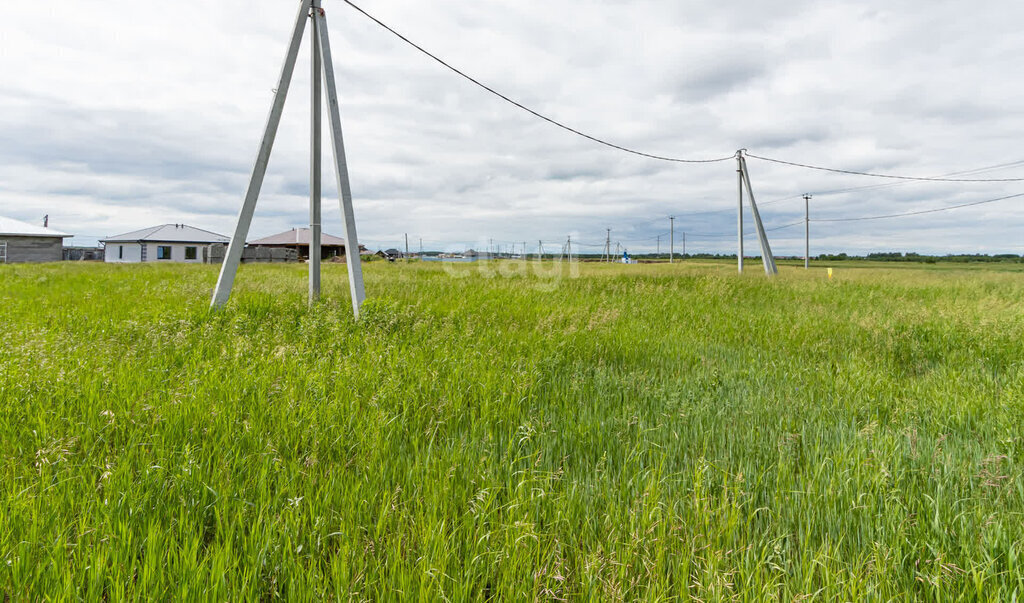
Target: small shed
[{"x": 24, "y": 242}]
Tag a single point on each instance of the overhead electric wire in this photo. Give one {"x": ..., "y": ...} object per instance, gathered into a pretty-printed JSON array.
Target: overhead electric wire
[
  {"x": 524, "y": 107},
  {"x": 643, "y": 239},
  {"x": 919, "y": 212},
  {"x": 988, "y": 168},
  {"x": 790, "y": 225},
  {"x": 874, "y": 175},
  {"x": 746, "y": 234},
  {"x": 833, "y": 192}
]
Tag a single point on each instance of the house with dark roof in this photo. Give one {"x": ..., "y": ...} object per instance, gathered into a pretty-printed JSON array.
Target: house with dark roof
[
  {"x": 164, "y": 243},
  {"x": 24, "y": 242},
  {"x": 299, "y": 240}
]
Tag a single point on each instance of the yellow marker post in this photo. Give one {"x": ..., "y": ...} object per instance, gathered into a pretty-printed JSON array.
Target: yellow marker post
[{"x": 829, "y": 274}]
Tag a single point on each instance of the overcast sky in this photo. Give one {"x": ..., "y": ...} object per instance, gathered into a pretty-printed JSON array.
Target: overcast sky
[{"x": 119, "y": 115}]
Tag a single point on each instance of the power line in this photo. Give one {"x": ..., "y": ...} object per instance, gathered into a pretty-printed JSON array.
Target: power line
[
  {"x": 917, "y": 213},
  {"x": 987, "y": 168},
  {"x": 745, "y": 234},
  {"x": 873, "y": 175},
  {"x": 524, "y": 107},
  {"x": 645, "y": 239}
]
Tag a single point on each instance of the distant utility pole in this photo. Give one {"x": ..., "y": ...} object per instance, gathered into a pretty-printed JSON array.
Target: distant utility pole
[
  {"x": 607, "y": 246},
  {"x": 807, "y": 231},
  {"x": 406, "y": 247},
  {"x": 46, "y": 221},
  {"x": 421, "y": 248},
  {"x": 684, "y": 245},
  {"x": 540, "y": 251},
  {"x": 490, "y": 250},
  {"x": 524, "y": 250},
  {"x": 568, "y": 246},
  {"x": 672, "y": 237},
  {"x": 659, "y": 244}
]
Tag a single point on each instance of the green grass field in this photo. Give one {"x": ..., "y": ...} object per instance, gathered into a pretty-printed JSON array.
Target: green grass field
[{"x": 652, "y": 432}]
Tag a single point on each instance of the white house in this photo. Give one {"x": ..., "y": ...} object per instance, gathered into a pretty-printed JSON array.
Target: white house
[
  {"x": 24, "y": 242},
  {"x": 165, "y": 243}
]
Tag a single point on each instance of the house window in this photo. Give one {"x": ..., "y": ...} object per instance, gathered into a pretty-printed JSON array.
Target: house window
[
  {"x": 163, "y": 252},
  {"x": 120, "y": 252},
  {"x": 190, "y": 253}
]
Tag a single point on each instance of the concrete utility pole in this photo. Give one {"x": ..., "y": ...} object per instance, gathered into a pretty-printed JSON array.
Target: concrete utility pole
[
  {"x": 807, "y": 232},
  {"x": 684, "y": 245},
  {"x": 659, "y": 244},
  {"x": 315, "y": 173},
  {"x": 421, "y": 248},
  {"x": 607, "y": 245},
  {"x": 739, "y": 216},
  {"x": 225, "y": 281},
  {"x": 406, "y": 247},
  {"x": 767, "y": 258},
  {"x": 568, "y": 246},
  {"x": 540, "y": 251},
  {"x": 672, "y": 237}
]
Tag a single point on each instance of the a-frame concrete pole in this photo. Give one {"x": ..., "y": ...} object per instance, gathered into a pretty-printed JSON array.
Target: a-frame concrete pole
[
  {"x": 766, "y": 251},
  {"x": 315, "y": 154},
  {"x": 352, "y": 259},
  {"x": 234, "y": 254}
]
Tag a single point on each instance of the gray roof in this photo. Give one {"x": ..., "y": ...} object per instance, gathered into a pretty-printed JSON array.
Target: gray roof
[
  {"x": 16, "y": 228},
  {"x": 169, "y": 233},
  {"x": 297, "y": 236}
]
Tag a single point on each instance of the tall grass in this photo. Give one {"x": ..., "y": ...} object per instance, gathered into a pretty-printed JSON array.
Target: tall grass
[{"x": 641, "y": 432}]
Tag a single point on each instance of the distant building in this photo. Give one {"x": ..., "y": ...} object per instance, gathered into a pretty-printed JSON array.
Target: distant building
[
  {"x": 392, "y": 254},
  {"x": 299, "y": 240},
  {"x": 24, "y": 242},
  {"x": 165, "y": 243}
]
